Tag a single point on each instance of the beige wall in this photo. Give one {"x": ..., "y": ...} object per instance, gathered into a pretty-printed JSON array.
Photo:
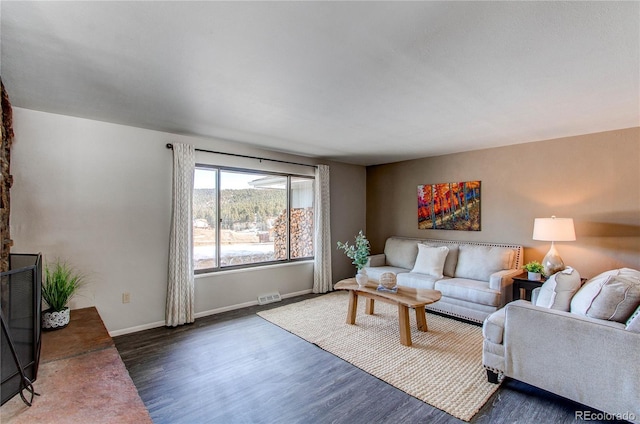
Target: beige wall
[
  {"x": 348, "y": 214},
  {"x": 594, "y": 179},
  {"x": 99, "y": 195}
]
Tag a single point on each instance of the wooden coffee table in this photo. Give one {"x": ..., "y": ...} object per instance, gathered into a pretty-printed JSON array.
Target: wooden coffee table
[{"x": 405, "y": 298}]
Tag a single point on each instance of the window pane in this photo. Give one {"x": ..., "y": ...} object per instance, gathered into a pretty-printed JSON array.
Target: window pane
[
  {"x": 252, "y": 207},
  {"x": 301, "y": 217},
  {"x": 205, "y": 218}
]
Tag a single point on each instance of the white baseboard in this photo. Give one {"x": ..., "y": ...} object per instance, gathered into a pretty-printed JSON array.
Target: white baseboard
[
  {"x": 136, "y": 328},
  {"x": 246, "y": 304},
  {"x": 201, "y": 314}
]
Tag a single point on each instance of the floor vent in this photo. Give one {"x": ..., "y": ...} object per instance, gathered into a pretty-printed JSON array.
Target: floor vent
[{"x": 263, "y": 299}]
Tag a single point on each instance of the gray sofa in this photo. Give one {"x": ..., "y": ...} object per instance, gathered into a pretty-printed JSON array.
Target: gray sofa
[
  {"x": 579, "y": 342},
  {"x": 475, "y": 278}
]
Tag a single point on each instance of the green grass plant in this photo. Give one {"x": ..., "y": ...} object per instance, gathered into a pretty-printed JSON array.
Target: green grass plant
[{"x": 60, "y": 283}]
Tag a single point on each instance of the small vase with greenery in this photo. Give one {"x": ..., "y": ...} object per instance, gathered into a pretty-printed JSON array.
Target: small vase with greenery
[
  {"x": 61, "y": 282},
  {"x": 359, "y": 255},
  {"x": 534, "y": 269}
]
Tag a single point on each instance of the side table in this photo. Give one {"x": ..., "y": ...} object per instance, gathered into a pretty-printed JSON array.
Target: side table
[{"x": 522, "y": 284}]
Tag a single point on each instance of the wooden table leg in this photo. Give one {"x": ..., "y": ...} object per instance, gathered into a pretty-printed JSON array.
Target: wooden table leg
[
  {"x": 353, "y": 307},
  {"x": 370, "y": 305},
  {"x": 421, "y": 319},
  {"x": 403, "y": 321}
]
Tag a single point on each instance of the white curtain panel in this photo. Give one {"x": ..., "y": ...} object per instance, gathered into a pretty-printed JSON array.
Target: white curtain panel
[
  {"x": 322, "y": 237},
  {"x": 180, "y": 287}
]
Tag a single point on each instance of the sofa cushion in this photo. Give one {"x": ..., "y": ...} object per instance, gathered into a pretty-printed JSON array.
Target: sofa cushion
[
  {"x": 400, "y": 252},
  {"x": 633, "y": 323},
  {"x": 479, "y": 262},
  {"x": 558, "y": 290},
  {"x": 612, "y": 295},
  {"x": 452, "y": 258},
  {"x": 430, "y": 260},
  {"x": 493, "y": 327},
  {"x": 470, "y": 290},
  {"x": 416, "y": 280},
  {"x": 374, "y": 273}
]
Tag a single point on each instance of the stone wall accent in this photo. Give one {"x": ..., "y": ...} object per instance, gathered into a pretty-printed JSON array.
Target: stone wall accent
[{"x": 6, "y": 179}]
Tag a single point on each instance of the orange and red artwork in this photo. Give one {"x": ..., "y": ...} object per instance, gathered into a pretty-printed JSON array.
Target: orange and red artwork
[{"x": 449, "y": 206}]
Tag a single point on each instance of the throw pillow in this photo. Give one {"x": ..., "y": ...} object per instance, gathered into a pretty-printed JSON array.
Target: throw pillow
[
  {"x": 612, "y": 295},
  {"x": 557, "y": 291},
  {"x": 633, "y": 323},
  {"x": 401, "y": 252},
  {"x": 452, "y": 259},
  {"x": 479, "y": 262},
  {"x": 430, "y": 260}
]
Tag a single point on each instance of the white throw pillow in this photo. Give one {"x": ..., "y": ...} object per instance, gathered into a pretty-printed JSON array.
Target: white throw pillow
[
  {"x": 557, "y": 291},
  {"x": 430, "y": 260},
  {"x": 612, "y": 295},
  {"x": 479, "y": 262},
  {"x": 452, "y": 258},
  {"x": 633, "y": 323}
]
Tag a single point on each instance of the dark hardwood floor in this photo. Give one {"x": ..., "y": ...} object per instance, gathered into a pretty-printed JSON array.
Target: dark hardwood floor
[{"x": 236, "y": 367}]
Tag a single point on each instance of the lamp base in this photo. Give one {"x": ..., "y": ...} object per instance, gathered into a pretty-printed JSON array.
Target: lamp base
[{"x": 552, "y": 262}]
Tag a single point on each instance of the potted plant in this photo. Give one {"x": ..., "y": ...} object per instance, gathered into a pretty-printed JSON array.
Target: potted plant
[
  {"x": 534, "y": 270},
  {"x": 60, "y": 284},
  {"x": 358, "y": 253}
]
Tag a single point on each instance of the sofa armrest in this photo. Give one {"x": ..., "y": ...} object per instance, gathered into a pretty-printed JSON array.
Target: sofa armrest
[
  {"x": 502, "y": 279},
  {"x": 377, "y": 260},
  {"x": 590, "y": 361},
  {"x": 503, "y": 282}
]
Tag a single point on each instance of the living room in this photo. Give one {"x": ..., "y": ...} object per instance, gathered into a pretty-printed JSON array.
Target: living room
[{"x": 93, "y": 184}]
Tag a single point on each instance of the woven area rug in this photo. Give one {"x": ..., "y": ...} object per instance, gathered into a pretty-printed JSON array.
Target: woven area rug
[{"x": 443, "y": 367}]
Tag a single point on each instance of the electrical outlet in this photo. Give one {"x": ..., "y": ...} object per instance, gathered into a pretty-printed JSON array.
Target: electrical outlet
[{"x": 126, "y": 297}]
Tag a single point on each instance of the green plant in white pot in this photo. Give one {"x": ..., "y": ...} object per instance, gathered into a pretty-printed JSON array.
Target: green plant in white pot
[
  {"x": 534, "y": 270},
  {"x": 359, "y": 255},
  {"x": 61, "y": 282}
]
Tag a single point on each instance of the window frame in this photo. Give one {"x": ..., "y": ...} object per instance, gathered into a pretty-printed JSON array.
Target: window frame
[{"x": 219, "y": 169}]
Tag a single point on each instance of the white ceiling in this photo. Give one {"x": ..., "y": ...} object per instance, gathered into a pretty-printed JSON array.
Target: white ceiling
[{"x": 358, "y": 82}]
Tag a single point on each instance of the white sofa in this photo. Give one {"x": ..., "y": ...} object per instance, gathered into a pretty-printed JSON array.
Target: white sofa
[
  {"x": 579, "y": 342},
  {"x": 475, "y": 278}
]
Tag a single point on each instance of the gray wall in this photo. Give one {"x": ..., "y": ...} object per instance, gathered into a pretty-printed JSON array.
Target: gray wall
[
  {"x": 594, "y": 179},
  {"x": 99, "y": 195}
]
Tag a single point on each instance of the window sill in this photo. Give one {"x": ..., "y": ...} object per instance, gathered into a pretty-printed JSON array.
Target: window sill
[{"x": 252, "y": 268}]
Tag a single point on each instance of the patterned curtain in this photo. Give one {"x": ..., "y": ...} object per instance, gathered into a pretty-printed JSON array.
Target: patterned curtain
[
  {"x": 180, "y": 288},
  {"x": 322, "y": 238}
]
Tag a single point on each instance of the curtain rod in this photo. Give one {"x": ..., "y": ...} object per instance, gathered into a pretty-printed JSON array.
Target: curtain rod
[{"x": 170, "y": 146}]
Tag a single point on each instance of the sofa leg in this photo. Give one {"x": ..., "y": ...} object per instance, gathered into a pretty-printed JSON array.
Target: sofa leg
[{"x": 492, "y": 377}]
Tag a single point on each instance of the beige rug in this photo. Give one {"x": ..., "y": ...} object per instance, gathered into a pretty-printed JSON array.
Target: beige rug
[{"x": 443, "y": 367}]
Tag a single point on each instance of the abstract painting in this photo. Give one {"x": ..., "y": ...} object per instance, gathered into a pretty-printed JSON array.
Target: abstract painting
[{"x": 449, "y": 206}]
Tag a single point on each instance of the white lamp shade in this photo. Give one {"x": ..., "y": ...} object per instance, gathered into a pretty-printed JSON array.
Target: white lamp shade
[{"x": 554, "y": 229}]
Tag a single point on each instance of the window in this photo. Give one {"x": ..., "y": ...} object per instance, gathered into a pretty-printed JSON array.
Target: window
[{"x": 254, "y": 218}]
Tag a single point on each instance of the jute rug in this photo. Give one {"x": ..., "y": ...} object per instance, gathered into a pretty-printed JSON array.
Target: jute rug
[{"x": 443, "y": 367}]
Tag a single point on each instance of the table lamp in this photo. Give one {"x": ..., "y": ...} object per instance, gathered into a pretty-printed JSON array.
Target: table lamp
[{"x": 553, "y": 229}]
